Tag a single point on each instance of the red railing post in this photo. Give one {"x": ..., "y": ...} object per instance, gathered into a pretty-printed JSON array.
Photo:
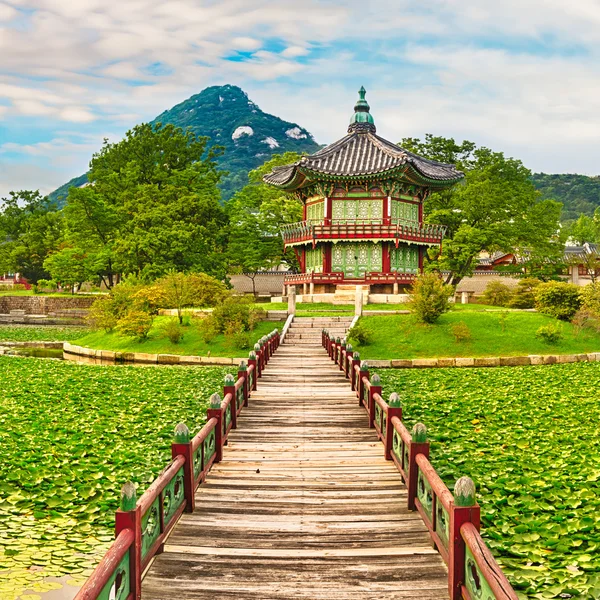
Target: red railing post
[
  {"x": 355, "y": 363},
  {"x": 393, "y": 411},
  {"x": 464, "y": 509},
  {"x": 348, "y": 361},
  {"x": 243, "y": 373},
  {"x": 229, "y": 388},
  {"x": 364, "y": 372},
  {"x": 418, "y": 445},
  {"x": 259, "y": 360},
  {"x": 129, "y": 516},
  {"x": 342, "y": 356},
  {"x": 216, "y": 412},
  {"x": 253, "y": 362},
  {"x": 374, "y": 389},
  {"x": 182, "y": 446}
]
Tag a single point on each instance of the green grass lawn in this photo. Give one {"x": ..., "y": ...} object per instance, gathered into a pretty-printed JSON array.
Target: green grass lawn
[
  {"x": 40, "y": 333},
  {"x": 157, "y": 343},
  {"x": 528, "y": 437},
  {"x": 493, "y": 333},
  {"x": 70, "y": 436}
]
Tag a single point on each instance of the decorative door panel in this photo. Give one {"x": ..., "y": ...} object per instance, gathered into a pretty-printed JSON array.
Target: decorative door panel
[
  {"x": 314, "y": 260},
  {"x": 354, "y": 260},
  {"x": 315, "y": 212},
  {"x": 405, "y": 259},
  {"x": 349, "y": 211},
  {"x": 404, "y": 212},
  {"x": 337, "y": 258}
]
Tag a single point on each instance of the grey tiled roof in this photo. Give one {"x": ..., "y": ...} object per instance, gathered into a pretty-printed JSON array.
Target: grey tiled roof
[{"x": 362, "y": 152}]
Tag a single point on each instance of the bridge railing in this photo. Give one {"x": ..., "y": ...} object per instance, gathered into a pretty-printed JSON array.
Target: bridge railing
[
  {"x": 143, "y": 525},
  {"x": 452, "y": 519}
]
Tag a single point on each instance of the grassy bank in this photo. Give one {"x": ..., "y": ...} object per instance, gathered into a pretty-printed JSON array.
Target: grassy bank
[
  {"x": 528, "y": 438},
  {"x": 157, "y": 343},
  {"x": 493, "y": 333},
  {"x": 70, "y": 436}
]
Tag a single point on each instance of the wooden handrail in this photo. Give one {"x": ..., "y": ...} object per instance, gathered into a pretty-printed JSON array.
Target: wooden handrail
[
  {"x": 438, "y": 487},
  {"x": 159, "y": 484},
  {"x": 128, "y": 523},
  {"x": 203, "y": 433},
  {"x": 453, "y": 529},
  {"x": 106, "y": 568},
  {"x": 485, "y": 565}
]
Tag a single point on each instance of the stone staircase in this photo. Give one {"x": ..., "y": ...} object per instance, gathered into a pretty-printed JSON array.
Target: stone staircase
[
  {"x": 307, "y": 330},
  {"x": 346, "y": 294}
]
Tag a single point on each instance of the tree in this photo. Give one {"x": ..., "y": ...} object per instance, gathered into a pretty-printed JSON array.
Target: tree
[
  {"x": 585, "y": 229},
  {"x": 30, "y": 228},
  {"x": 429, "y": 297},
  {"x": 180, "y": 291},
  {"x": 495, "y": 208},
  {"x": 70, "y": 267},
  {"x": 256, "y": 214},
  {"x": 152, "y": 206}
]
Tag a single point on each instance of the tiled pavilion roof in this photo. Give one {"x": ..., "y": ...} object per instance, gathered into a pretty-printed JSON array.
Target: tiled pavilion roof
[{"x": 362, "y": 152}]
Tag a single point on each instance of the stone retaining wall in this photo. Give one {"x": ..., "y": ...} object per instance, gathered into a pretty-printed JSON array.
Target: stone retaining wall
[
  {"x": 491, "y": 361},
  {"x": 150, "y": 359},
  {"x": 45, "y": 305}
]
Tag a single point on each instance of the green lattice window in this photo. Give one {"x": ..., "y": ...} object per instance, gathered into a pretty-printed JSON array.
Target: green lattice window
[
  {"x": 357, "y": 210},
  {"x": 314, "y": 260},
  {"x": 354, "y": 260},
  {"x": 404, "y": 212},
  {"x": 404, "y": 259},
  {"x": 315, "y": 212}
]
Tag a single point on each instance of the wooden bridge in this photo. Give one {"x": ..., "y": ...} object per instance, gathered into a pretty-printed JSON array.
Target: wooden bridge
[{"x": 301, "y": 502}]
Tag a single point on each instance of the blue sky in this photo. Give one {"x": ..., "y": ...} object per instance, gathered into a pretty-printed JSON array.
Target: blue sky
[{"x": 521, "y": 76}]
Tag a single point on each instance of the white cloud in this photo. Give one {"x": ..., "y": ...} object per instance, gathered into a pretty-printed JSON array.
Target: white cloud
[
  {"x": 522, "y": 76},
  {"x": 7, "y": 13},
  {"x": 294, "y": 51}
]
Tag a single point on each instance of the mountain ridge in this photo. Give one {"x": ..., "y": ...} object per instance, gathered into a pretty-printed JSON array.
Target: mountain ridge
[{"x": 227, "y": 116}]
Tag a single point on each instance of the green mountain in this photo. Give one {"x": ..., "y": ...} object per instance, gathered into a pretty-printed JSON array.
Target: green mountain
[
  {"x": 230, "y": 119},
  {"x": 578, "y": 193}
]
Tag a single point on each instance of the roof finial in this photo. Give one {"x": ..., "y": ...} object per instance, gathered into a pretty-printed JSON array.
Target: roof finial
[{"x": 362, "y": 120}]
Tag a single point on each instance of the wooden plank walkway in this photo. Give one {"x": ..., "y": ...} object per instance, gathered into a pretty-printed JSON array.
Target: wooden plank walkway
[{"x": 302, "y": 506}]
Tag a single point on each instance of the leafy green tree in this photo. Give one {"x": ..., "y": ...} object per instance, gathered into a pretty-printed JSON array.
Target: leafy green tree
[
  {"x": 429, "y": 297},
  {"x": 585, "y": 229},
  {"x": 496, "y": 207},
  {"x": 181, "y": 290},
  {"x": 152, "y": 206},
  {"x": 256, "y": 214},
  {"x": 70, "y": 267},
  {"x": 30, "y": 228}
]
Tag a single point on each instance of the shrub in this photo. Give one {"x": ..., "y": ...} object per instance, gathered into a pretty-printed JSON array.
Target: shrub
[
  {"x": 240, "y": 340},
  {"x": 497, "y": 294},
  {"x": 236, "y": 312},
  {"x": 48, "y": 285},
  {"x": 461, "y": 332},
  {"x": 102, "y": 314},
  {"x": 208, "y": 329},
  {"x": 172, "y": 330},
  {"x": 590, "y": 298},
  {"x": 359, "y": 334},
  {"x": 136, "y": 323},
  {"x": 558, "y": 299},
  {"x": 524, "y": 294},
  {"x": 586, "y": 319},
  {"x": 551, "y": 333},
  {"x": 429, "y": 298}
]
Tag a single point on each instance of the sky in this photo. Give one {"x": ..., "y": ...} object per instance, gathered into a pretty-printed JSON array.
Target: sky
[{"x": 519, "y": 76}]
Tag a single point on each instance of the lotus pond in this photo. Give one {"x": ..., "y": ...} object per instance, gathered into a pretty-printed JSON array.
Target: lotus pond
[
  {"x": 528, "y": 437},
  {"x": 70, "y": 436}
]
